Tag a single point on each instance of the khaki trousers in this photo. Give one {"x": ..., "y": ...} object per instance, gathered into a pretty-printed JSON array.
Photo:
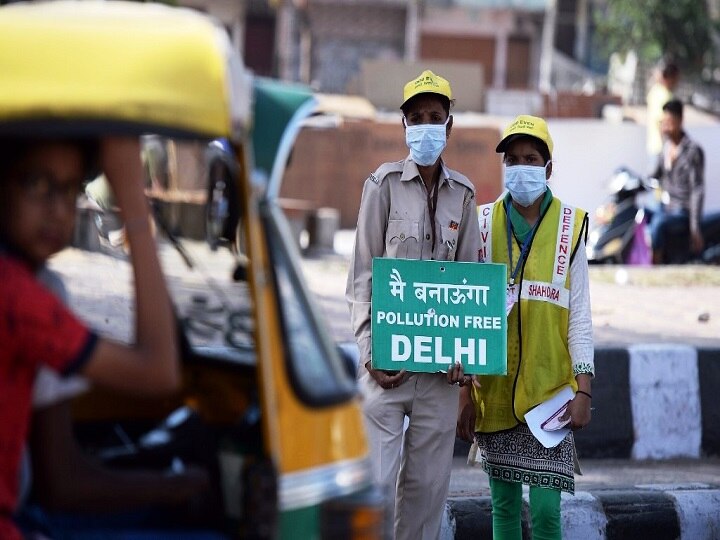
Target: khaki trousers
[{"x": 416, "y": 479}]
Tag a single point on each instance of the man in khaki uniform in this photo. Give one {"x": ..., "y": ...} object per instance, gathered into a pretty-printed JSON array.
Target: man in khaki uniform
[{"x": 416, "y": 208}]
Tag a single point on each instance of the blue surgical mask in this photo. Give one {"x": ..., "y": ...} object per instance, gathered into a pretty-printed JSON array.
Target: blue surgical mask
[
  {"x": 426, "y": 142},
  {"x": 525, "y": 183}
]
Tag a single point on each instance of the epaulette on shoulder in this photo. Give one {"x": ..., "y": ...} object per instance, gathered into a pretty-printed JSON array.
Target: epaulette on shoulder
[
  {"x": 383, "y": 170},
  {"x": 462, "y": 180}
]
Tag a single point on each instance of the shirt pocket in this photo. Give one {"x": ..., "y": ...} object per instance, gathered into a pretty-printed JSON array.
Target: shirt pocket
[
  {"x": 402, "y": 239},
  {"x": 448, "y": 245}
]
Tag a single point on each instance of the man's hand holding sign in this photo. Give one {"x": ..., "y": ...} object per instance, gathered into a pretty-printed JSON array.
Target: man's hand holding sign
[{"x": 430, "y": 316}]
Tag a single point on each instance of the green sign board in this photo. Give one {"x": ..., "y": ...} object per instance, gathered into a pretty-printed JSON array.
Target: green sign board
[{"x": 426, "y": 315}]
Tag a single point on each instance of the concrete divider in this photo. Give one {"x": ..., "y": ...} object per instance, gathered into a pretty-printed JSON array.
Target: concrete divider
[
  {"x": 687, "y": 513},
  {"x": 651, "y": 402}
]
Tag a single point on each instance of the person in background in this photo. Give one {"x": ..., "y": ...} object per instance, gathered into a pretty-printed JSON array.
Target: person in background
[
  {"x": 156, "y": 160},
  {"x": 681, "y": 172},
  {"x": 549, "y": 341},
  {"x": 661, "y": 91},
  {"x": 415, "y": 208},
  {"x": 109, "y": 226},
  {"x": 39, "y": 182}
]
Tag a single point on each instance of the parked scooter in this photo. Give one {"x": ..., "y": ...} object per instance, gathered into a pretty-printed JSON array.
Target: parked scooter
[{"x": 621, "y": 234}]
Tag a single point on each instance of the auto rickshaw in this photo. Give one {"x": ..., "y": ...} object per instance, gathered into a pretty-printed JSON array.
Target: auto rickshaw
[{"x": 270, "y": 399}]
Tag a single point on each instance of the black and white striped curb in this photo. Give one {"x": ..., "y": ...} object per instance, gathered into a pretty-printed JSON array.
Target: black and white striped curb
[
  {"x": 662, "y": 513},
  {"x": 652, "y": 402}
]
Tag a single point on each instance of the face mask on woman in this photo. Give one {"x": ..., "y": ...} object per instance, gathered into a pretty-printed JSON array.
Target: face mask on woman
[
  {"x": 525, "y": 182},
  {"x": 426, "y": 142}
]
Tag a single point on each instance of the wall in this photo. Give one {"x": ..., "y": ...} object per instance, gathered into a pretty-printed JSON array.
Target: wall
[
  {"x": 343, "y": 34},
  {"x": 382, "y": 81},
  {"x": 329, "y": 166},
  {"x": 473, "y": 49},
  {"x": 564, "y": 104},
  {"x": 505, "y": 41}
]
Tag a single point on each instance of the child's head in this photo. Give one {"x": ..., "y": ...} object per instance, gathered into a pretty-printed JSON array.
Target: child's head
[{"x": 39, "y": 183}]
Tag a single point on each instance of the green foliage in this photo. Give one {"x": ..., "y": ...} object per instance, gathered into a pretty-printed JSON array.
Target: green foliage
[{"x": 678, "y": 29}]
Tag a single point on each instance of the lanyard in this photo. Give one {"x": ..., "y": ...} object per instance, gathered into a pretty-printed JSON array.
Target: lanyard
[
  {"x": 432, "y": 207},
  {"x": 523, "y": 250}
]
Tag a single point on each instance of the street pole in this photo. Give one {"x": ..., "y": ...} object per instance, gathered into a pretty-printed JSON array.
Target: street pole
[
  {"x": 547, "y": 47},
  {"x": 412, "y": 31}
]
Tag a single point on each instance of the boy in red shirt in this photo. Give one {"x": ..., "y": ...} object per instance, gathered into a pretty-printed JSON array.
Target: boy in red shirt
[{"x": 39, "y": 182}]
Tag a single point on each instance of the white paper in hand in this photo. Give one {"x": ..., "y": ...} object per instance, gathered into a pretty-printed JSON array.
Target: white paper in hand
[{"x": 539, "y": 414}]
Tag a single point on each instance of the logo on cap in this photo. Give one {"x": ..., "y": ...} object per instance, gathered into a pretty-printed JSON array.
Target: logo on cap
[
  {"x": 526, "y": 125},
  {"x": 427, "y": 82}
]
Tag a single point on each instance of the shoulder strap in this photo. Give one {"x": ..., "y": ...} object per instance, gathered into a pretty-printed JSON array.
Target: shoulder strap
[
  {"x": 460, "y": 178},
  {"x": 383, "y": 170},
  {"x": 564, "y": 243},
  {"x": 485, "y": 216}
]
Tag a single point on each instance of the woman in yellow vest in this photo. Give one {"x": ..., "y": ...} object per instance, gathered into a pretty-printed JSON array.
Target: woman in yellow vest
[{"x": 549, "y": 342}]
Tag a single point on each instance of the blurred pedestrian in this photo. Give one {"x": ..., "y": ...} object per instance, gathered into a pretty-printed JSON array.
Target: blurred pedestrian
[
  {"x": 415, "y": 208},
  {"x": 681, "y": 171},
  {"x": 109, "y": 226},
  {"x": 666, "y": 78},
  {"x": 549, "y": 342},
  {"x": 156, "y": 160}
]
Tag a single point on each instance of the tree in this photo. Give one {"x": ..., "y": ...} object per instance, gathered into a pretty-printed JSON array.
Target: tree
[{"x": 682, "y": 30}]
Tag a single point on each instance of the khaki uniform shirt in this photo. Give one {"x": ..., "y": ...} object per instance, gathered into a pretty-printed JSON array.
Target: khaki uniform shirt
[{"x": 394, "y": 221}]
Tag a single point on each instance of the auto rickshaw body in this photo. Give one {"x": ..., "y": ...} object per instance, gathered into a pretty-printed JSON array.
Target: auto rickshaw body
[{"x": 274, "y": 399}]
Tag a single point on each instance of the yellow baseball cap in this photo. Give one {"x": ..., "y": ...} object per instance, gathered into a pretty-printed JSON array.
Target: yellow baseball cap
[
  {"x": 526, "y": 125},
  {"x": 427, "y": 82}
]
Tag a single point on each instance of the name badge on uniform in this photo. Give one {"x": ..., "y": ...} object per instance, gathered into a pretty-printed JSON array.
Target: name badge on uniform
[{"x": 511, "y": 298}]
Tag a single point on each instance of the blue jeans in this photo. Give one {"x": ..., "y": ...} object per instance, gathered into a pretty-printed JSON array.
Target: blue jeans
[{"x": 667, "y": 220}]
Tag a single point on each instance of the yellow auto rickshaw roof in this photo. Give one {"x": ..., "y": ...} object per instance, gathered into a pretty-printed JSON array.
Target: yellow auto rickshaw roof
[{"x": 117, "y": 66}]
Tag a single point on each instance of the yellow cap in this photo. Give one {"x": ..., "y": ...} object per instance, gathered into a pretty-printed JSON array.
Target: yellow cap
[
  {"x": 526, "y": 125},
  {"x": 427, "y": 82}
]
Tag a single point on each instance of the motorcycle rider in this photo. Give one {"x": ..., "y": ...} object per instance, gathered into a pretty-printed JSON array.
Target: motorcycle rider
[{"x": 680, "y": 170}]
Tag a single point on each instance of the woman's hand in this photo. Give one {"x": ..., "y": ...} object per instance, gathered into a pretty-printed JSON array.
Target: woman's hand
[{"x": 579, "y": 410}]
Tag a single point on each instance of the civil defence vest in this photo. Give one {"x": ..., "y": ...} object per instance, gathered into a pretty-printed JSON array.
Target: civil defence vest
[{"x": 538, "y": 360}]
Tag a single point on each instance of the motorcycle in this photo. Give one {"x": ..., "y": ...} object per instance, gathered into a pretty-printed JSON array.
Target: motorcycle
[{"x": 621, "y": 234}]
